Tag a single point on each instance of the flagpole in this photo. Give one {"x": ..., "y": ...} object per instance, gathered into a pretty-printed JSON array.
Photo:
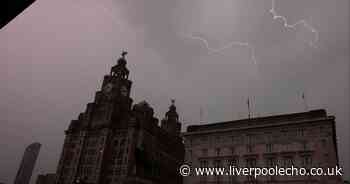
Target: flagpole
[
  {"x": 304, "y": 102},
  {"x": 200, "y": 115},
  {"x": 248, "y": 103}
]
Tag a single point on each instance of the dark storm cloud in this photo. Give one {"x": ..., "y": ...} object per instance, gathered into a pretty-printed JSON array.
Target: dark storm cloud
[{"x": 55, "y": 54}]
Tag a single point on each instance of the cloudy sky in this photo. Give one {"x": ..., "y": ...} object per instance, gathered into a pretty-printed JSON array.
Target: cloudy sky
[{"x": 54, "y": 55}]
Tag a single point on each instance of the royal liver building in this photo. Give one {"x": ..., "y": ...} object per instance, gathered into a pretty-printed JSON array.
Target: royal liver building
[{"x": 115, "y": 142}]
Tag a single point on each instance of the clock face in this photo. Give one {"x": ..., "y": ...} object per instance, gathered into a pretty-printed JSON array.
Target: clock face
[
  {"x": 108, "y": 88},
  {"x": 123, "y": 91}
]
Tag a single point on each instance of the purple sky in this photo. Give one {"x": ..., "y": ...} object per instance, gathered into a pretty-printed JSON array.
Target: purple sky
[{"x": 54, "y": 55}]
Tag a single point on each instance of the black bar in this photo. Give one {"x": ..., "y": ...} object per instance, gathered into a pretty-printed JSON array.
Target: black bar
[{"x": 9, "y": 9}]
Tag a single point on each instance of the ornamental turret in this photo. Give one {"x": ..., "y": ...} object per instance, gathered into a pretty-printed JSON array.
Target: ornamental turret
[{"x": 171, "y": 122}]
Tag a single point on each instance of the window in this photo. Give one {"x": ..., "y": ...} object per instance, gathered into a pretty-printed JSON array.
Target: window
[
  {"x": 119, "y": 162},
  {"x": 288, "y": 161},
  {"x": 249, "y": 139},
  {"x": 233, "y": 162},
  {"x": 92, "y": 142},
  {"x": 251, "y": 180},
  {"x": 120, "y": 154},
  {"x": 301, "y": 131},
  {"x": 218, "y": 150},
  {"x": 304, "y": 144},
  {"x": 204, "y": 152},
  {"x": 232, "y": 150},
  {"x": 306, "y": 161},
  {"x": 91, "y": 151},
  {"x": 69, "y": 157},
  {"x": 249, "y": 148},
  {"x": 233, "y": 139},
  {"x": 202, "y": 179},
  {"x": 326, "y": 156},
  {"x": 116, "y": 142},
  {"x": 271, "y": 162},
  {"x": 204, "y": 163},
  {"x": 217, "y": 139},
  {"x": 90, "y": 160},
  {"x": 87, "y": 171},
  {"x": 123, "y": 171},
  {"x": 189, "y": 154},
  {"x": 284, "y": 132},
  {"x": 204, "y": 139},
  {"x": 269, "y": 147},
  {"x": 122, "y": 143},
  {"x": 217, "y": 163},
  {"x": 108, "y": 181},
  {"x": 66, "y": 171},
  {"x": 117, "y": 171},
  {"x": 287, "y": 147},
  {"x": 251, "y": 162},
  {"x": 71, "y": 145},
  {"x": 321, "y": 129}
]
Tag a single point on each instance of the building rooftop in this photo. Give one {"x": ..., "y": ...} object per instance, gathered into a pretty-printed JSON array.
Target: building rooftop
[{"x": 319, "y": 114}]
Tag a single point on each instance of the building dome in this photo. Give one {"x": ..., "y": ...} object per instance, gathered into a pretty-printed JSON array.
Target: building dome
[
  {"x": 172, "y": 111},
  {"x": 144, "y": 108}
]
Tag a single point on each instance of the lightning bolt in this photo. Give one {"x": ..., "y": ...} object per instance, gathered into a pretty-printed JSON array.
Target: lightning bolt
[
  {"x": 249, "y": 46},
  {"x": 229, "y": 45},
  {"x": 293, "y": 26}
]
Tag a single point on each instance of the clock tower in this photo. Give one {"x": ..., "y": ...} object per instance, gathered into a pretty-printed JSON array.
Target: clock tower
[
  {"x": 113, "y": 101},
  {"x": 112, "y": 142}
]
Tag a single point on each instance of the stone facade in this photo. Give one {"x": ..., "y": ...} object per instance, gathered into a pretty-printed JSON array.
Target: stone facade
[
  {"x": 113, "y": 142},
  {"x": 305, "y": 139}
]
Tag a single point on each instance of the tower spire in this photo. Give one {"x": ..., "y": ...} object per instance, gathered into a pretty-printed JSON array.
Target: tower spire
[
  {"x": 172, "y": 114},
  {"x": 171, "y": 121}
]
